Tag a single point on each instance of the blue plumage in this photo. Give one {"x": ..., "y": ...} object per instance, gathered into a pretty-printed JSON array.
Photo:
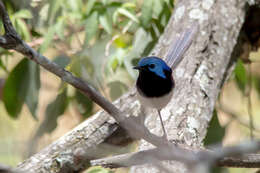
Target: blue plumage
[
  {"x": 155, "y": 78},
  {"x": 155, "y": 83},
  {"x": 155, "y": 64}
]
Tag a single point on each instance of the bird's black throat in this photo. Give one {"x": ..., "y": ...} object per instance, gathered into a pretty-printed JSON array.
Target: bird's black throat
[{"x": 151, "y": 85}]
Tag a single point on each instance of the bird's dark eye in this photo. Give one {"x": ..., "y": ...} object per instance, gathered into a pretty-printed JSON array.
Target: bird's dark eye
[{"x": 152, "y": 66}]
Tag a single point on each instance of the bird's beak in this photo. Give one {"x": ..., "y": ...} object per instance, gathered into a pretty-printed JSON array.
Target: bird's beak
[{"x": 137, "y": 67}]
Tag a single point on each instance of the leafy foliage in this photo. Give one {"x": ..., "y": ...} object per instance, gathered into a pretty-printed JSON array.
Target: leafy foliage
[
  {"x": 117, "y": 88},
  {"x": 22, "y": 86},
  {"x": 256, "y": 82},
  {"x": 240, "y": 75},
  {"x": 62, "y": 61},
  {"x": 84, "y": 104},
  {"x": 54, "y": 109},
  {"x": 91, "y": 26},
  {"x": 98, "y": 170},
  {"x": 95, "y": 40},
  {"x": 215, "y": 132}
]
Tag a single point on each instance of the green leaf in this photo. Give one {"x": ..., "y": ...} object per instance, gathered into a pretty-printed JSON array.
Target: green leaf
[
  {"x": 60, "y": 27},
  {"x": 117, "y": 88},
  {"x": 35, "y": 33},
  {"x": 121, "y": 41},
  {"x": 240, "y": 75},
  {"x": 106, "y": 22},
  {"x": 90, "y": 6},
  {"x": 23, "y": 14},
  {"x": 84, "y": 104},
  {"x": 15, "y": 88},
  {"x": 129, "y": 5},
  {"x": 74, "y": 5},
  {"x": 98, "y": 170},
  {"x": 157, "y": 8},
  {"x": 147, "y": 9},
  {"x": 114, "y": 5},
  {"x": 22, "y": 85},
  {"x": 62, "y": 61},
  {"x": 53, "y": 9},
  {"x": 219, "y": 170},
  {"x": 104, "y": 2},
  {"x": 114, "y": 64},
  {"x": 2, "y": 65},
  {"x": 34, "y": 84},
  {"x": 115, "y": 16},
  {"x": 141, "y": 41},
  {"x": 48, "y": 39},
  {"x": 256, "y": 82},
  {"x": 128, "y": 14},
  {"x": 81, "y": 66},
  {"x": 23, "y": 29},
  {"x": 55, "y": 109},
  {"x": 170, "y": 3},
  {"x": 116, "y": 59},
  {"x": 91, "y": 26},
  {"x": 215, "y": 133},
  {"x": 164, "y": 18}
]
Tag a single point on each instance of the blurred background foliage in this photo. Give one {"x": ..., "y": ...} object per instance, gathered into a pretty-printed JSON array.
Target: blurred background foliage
[{"x": 99, "y": 41}]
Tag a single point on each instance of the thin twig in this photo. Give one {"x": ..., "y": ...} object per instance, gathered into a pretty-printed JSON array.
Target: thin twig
[
  {"x": 147, "y": 156},
  {"x": 236, "y": 156}
]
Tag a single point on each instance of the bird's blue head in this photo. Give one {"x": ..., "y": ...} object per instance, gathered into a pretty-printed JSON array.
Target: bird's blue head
[{"x": 153, "y": 64}]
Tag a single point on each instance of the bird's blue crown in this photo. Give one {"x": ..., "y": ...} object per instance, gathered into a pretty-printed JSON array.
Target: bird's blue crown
[{"x": 155, "y": 64}]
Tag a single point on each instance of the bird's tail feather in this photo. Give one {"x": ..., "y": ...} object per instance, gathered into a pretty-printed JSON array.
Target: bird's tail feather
[{"x": 181, "y": 45}]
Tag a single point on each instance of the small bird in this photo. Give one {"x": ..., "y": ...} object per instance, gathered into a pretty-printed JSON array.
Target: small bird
[{"x": 155, "y": 83}]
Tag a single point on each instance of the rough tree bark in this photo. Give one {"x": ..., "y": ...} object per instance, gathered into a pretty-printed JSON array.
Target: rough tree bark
[{"x": 199, "y": 79}]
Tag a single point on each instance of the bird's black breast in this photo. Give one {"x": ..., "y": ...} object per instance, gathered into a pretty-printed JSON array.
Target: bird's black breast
[{"x": 151, "y": 85}]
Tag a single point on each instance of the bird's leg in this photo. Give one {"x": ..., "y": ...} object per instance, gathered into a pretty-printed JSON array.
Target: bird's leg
[
  {"x": 142, "y": 115},
  {"x": 164, "y": 131}
]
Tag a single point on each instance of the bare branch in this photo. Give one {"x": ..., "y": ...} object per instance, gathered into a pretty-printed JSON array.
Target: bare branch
[
  {"x": 143, "y": 157},
  {"x": 245, "y": 161},
  {"x": 217, "y": 156},
  {"x": 239, "y": 150}
]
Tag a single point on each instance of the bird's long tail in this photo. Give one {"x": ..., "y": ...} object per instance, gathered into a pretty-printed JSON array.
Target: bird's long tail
[{"x": 180, "y": 46}]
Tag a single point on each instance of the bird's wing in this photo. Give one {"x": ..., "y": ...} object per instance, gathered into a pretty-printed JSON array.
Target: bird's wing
[{"x": 181, "y": 45}]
